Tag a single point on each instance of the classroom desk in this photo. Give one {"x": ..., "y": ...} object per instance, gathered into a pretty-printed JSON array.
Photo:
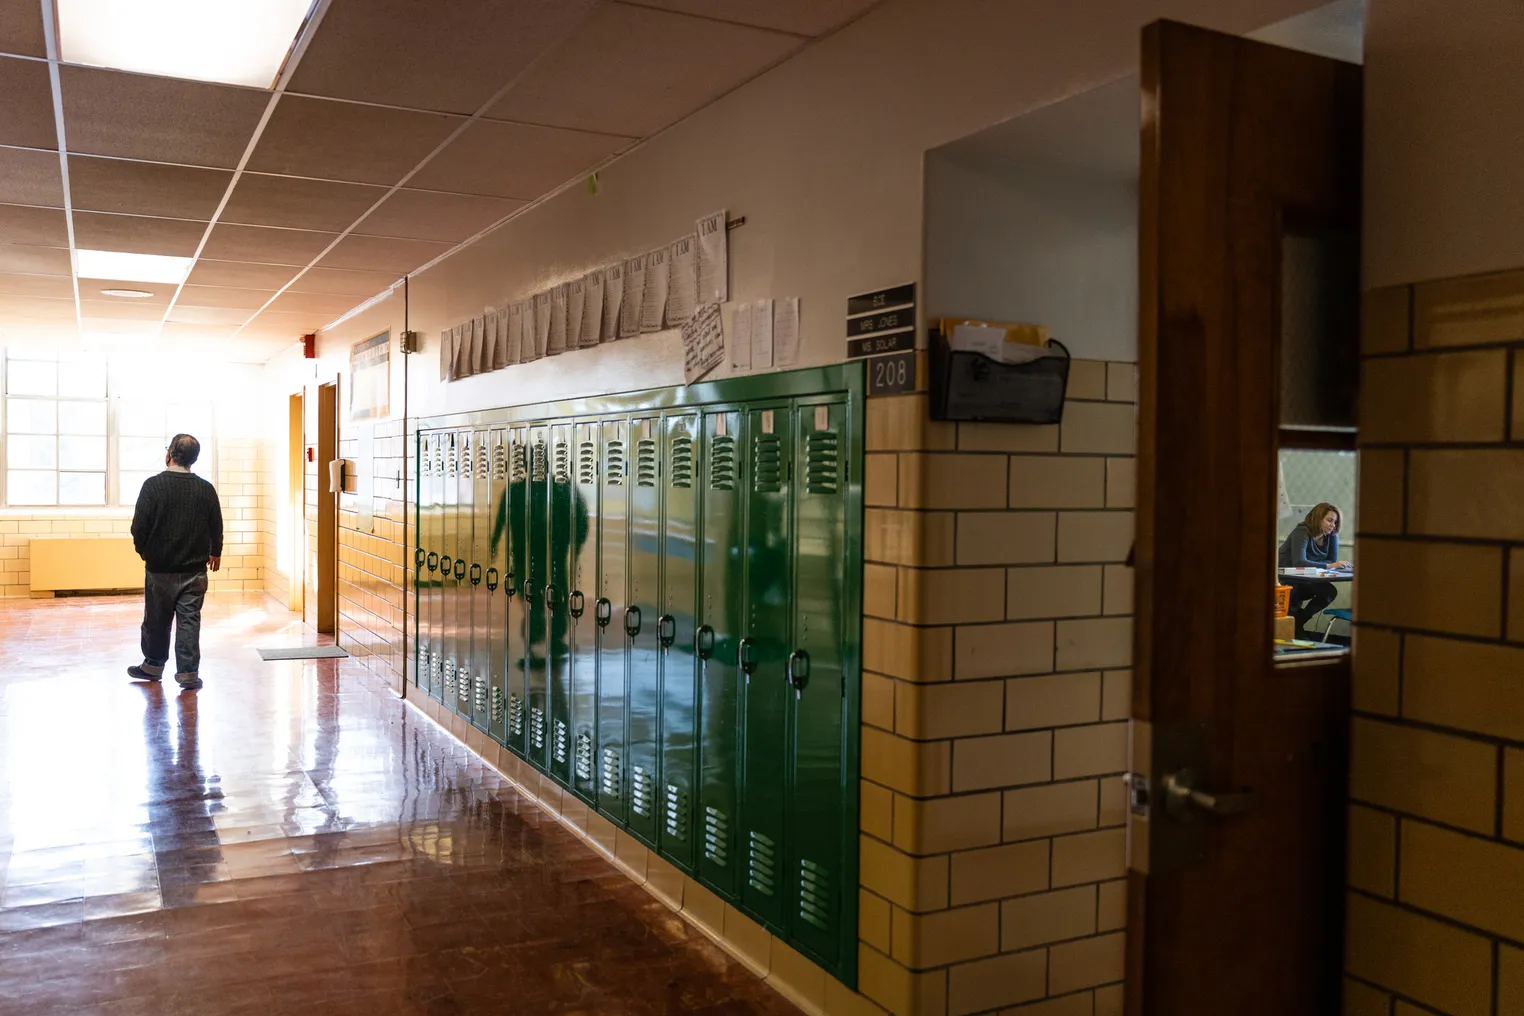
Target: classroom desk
[{"x": 1290, "y": 575}]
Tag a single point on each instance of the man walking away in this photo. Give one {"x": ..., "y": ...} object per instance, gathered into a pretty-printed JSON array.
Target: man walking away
[{"x": 177, "y": 530}]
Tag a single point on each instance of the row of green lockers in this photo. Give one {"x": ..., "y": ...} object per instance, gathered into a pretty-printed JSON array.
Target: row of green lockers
[{"x": 662, "y": 612}]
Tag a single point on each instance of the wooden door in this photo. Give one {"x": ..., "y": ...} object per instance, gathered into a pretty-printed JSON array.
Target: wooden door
[
  {"x": 327, "y": 512},
  {"x": 293, "y": 555},
  {"x": 1242, "y": 913}
]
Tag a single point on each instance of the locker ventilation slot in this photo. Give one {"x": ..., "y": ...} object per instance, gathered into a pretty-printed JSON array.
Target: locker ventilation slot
[
  {"x": 537, "y": 463},
  {"x": 613, "y": 465},
  {"x": 586, "y": 464},
  {"x": 520, "y": 466},
  {"x": 716, "y": 837},
  {"x": 497, "y": 705},
  {"x": 722, "y": 462},
  {"x": 767, "y": 464},
  {"x": 426, "y": 464},
  {"x": 677, "y": 812},
  {"x": 465, "y": 458},
  {"x": 515, "y": 716},
  {"x": 483, "y": 461},
  {"x": 449, "y": 677},
  {"x": 761, "y": 868},
  {"x": 537, "y": 729},
  {"x": 449, "y": 462},
  {"x": 815, "y": 895},
  {"x": 481, "y": 695},
  {"x": 822, "y": 463},
  {"x": 562, "y": 472},
  {"x": 645, "y": 463},
  {"x": 462, "y": 688},
  {"x": 584, "y": 756},
  {"x": 682, "y": 461},
  {"x": 562, "y": 742},
  {"x": 640, "y": 791},
  {"x": 499, "y": 462},
  {"x": 609, "y": 785}
]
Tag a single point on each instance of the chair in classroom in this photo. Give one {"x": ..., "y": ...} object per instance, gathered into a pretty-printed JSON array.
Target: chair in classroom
[{"x": 1338, "y": 614}]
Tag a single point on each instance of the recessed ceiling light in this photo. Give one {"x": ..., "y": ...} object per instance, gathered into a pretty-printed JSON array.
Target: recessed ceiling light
[
  {"x": 237, "y": 43},
  {"x": 110, "y": 264},
  {"x": 128, "y": 294}
]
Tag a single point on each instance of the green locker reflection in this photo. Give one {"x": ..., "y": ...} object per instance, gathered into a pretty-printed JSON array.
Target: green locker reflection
[
  {"x": 818, "y": 770},
  {"x": 762, "y": 655},
  {"x": 513, "y": 587},
  {"x": 535, "y": 603},
  {"x": 722, "y": 621},
  {"x": 582, "y": 630},
  {"x": 675, "y": 637},
  {"x": 497, "y": 602},
  {"x": 474, "y": 695},
  {"x": 609, "y": 611},
  {"x": 640, "y": 626},
  {"x": 560, "y": 535}
]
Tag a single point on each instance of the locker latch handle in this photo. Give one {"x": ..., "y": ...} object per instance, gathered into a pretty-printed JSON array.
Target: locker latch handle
[
  {"x": 799, "y": 670},
  {"x": 666, "y": 630},
  {"x": 444, "y": 565},
  {"x": 576, "y": 603},
  {"x": 705, "y": 642},
  {"x": 460, "y": 568},
  {"x": 529, "y": 592},
  {"x": 491, "y": 580},
  {"x": 632, "y": 621},
  {"x": 552, "y": 597},
  {"x": 510, "y": 585},
  {"x": 746, "y": 656},
  {"x": 421, "y": 558},
  {"x": 603, "y": 612},
  {"x": 433, "y": 561},
  {"x": 476, "y": 574}
]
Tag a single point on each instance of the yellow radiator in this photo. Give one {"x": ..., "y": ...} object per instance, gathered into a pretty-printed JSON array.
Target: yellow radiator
[{"x": 85, "y": 562}]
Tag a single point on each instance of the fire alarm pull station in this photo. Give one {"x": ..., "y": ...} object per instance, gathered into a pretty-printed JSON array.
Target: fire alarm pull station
[{"x": 311, "y": 454}]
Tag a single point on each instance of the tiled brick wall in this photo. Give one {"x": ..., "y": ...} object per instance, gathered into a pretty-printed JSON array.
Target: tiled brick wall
[
  {"x": 242, "y": 485},
  {"x": 1436, "y": 854},
  {"x": 371, "y": 579},
  {"x": 996, "y": 650}
]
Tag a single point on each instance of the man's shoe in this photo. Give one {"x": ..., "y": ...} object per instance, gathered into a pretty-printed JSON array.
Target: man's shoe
[
  {"x": 141, "y": 672},
  {"x": 188, "y": 682}
]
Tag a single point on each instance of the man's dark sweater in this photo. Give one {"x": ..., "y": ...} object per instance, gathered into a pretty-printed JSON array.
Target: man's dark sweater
[{"x": 178, "y": 522}]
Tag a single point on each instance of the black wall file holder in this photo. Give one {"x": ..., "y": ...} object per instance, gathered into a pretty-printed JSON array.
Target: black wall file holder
[{"x": 971, "y": 387}]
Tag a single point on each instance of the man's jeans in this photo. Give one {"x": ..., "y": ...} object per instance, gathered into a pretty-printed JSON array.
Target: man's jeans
[{"x": 173, "y": 597}]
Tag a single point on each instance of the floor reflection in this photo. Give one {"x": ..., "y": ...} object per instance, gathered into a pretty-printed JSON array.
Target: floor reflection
[{"x": 293, "y": 840}]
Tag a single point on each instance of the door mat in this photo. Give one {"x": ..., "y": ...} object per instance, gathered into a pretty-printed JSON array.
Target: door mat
[{"x": 303, "y": 653}]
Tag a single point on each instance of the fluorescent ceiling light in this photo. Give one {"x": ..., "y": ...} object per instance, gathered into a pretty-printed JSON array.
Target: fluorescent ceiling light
[
  {"x": 237, "y": 42},
  {"x": 127, "y": 294},
  {"x": 115, "y": 265}
]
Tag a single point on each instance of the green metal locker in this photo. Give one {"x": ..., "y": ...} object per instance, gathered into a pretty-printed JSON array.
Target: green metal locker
[
  {"x": 447, "y": 558},
  {"x": 497, "y": 601},
  {"x": 642, "y": 667},
  {"x": 513, "y": 588},
  {"x": 535, "y": 583},
  {"x": 427, "y": 567},
  {"x": 763, "y": 654},
  {"x": 465, "y": 534},
  {"x": 609, "y": 615},
  {"x": 582, "y": 629},
  {"x": 819, "y": 795},
  {"x": 722, "y": 619},
  {"x": 676, "y": 636},
  {"x": 557, "y": 600},
  {"x": 437, "y": 647},
  {"x": 474, "y": 695}
]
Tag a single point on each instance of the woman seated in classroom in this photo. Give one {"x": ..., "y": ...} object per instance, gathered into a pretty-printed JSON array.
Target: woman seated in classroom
[{"x": 1314, "y": 543}]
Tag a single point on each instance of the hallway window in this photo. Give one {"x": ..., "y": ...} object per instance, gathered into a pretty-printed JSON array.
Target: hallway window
[
  {"x": 143, "y": 432},
  {"x": 55, "y": 432}
]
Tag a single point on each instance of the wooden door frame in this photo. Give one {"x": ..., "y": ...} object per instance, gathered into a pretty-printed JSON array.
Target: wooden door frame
[
  {"x": 295, "y": 554},
  {"x": 327, "y": 613}
]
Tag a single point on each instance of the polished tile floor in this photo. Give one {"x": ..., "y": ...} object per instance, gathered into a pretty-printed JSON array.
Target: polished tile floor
[{"x": 292, "y": 839}]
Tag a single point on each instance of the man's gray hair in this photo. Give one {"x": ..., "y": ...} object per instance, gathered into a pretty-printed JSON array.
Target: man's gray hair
[{"x": 184, "y": 450}]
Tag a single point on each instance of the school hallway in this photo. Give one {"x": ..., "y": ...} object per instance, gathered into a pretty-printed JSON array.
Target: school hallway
[{"x": 294, "y": 839}]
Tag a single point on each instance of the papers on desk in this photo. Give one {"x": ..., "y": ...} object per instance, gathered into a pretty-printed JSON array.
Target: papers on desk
[{"x": 1316, "y": 573}]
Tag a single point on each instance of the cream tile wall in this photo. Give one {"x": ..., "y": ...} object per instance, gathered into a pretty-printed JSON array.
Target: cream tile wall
[
  {"x": 371, "y": 572},
  {"x": 1436, "y": 820}
]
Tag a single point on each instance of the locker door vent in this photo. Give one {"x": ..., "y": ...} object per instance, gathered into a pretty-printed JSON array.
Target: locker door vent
[
  {"x": 585, "y": 755},
  {"x": 426, "y": 463},
  {"x": 484, "y": 459},
  {"x": 449, "y": 676},
  {"x": 716, "y": 836},
  {"x": 499, "y": 462},
  {"x": 613, "y": 464},
  {"x": 640, "y": 791},
  {"x": 587, "y": 466},
  {"x": 449, "y": 460},
  {"x": 682, "y": 461},
  {"x": 761, "y": 867},
  {"x": 497, "y": 705},
  {"x": 562, "y": 742},
  {"x": 677, "y": 812},
  {"x": 537, "y": 728},
  {"x": 515, "y": 716},
  {"x": 815, "y": 904},
  {"x": 767, "y": 464},
  {"x": 563, "y": 463},
  {"x": 537, "y": 463},
  {"x": 645, "y": 462},
  {"x": 438, "y": 454},
  {"x": 722, "y": 463},
  {"x": 520, "y": 465},
  {"x": 822, "y": 469},
  {"x": 609, "y": 784},
  {"x": 481, "y": 695},
  {"x": 465, "y": 458}
]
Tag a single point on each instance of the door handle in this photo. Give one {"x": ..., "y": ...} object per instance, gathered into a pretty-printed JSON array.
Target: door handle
[
  {"x": 552, "y": 595},
  {"x": 705, "y": 642},
  {"x": 445, "y": 565},
  {"x": 510, "y": 585},
  {"x": 799, "y": 671},
  {"x": 420, "y": 558},
  {"x": 746, "y": 656},
  {"x": 491, "y": 580},
  {"x": 603, "y": 612},
  {"x": 476, "y": 574},
  {"x": 529, "y": 592},
  {"x": 666, "y": 630},
  {"x": 576, "y": 603},
  {"x": 433, "y": 562},
  {"x": 460, "y": 568},
  {"x": 632, "y": 621},
  {"x": 1181, "y": 796}
]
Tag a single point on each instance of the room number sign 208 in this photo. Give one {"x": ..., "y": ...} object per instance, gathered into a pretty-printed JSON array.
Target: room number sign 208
[{"x": 892, "y": 373}]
